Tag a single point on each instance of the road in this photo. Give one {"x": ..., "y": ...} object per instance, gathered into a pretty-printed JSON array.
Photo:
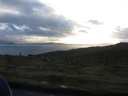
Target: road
[{"x": 19, "y": 92}]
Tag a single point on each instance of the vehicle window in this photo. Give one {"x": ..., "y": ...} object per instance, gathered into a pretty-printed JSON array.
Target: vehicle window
[{"x": 63, "y": 47}]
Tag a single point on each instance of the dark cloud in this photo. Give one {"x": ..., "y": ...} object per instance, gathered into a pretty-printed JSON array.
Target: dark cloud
[
  {"x": 121, "y": 34},
  {"x": 23, "y": 6},
  {"x": 32, "y": 18},
  {"x": 96, "y": 22}
]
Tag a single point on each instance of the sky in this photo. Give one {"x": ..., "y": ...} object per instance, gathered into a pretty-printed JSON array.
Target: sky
[{"x": 64, "y": 21}]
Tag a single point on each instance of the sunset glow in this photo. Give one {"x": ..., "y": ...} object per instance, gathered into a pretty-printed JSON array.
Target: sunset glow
[{"x": 64, "y": 21}]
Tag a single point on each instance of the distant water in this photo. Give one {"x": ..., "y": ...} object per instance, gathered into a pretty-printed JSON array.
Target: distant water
[{"x": 25, "y": 49}]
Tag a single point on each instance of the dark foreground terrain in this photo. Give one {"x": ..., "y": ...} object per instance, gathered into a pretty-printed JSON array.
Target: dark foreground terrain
[
  {"x": 19, "y": 92},
  {"x": 97, "y": 70}
]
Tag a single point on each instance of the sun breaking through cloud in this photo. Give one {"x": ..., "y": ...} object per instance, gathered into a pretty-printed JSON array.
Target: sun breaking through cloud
[{"x": 63, "y": 21}]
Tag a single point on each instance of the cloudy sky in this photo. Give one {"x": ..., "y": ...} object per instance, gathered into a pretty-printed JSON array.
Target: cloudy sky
[{"x": 64, "y": 21}]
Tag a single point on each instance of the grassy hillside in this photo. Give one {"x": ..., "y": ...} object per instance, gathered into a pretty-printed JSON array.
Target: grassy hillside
[{"x": 96, "y": 69}]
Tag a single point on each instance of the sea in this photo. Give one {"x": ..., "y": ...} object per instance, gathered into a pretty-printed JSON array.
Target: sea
[{"x": 34, "y": 49}]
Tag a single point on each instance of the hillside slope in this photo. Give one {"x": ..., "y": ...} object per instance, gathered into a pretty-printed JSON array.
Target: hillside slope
[{"x": 96, "y": 70}]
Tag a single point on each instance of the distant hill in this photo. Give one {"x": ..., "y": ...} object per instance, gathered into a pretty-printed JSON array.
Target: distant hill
[
  {"x": 99, "y": 50},
  {"x": 5, "y": 42}
]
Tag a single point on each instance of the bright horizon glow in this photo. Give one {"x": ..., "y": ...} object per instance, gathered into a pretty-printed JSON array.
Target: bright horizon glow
[{"x": 111, "y": 12}]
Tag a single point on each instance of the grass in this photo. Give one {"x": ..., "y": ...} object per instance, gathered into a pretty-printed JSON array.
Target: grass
[{"x": 96, "y": 70}]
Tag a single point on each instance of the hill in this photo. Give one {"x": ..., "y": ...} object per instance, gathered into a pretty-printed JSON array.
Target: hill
[{"x": 96, "y": 70}]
